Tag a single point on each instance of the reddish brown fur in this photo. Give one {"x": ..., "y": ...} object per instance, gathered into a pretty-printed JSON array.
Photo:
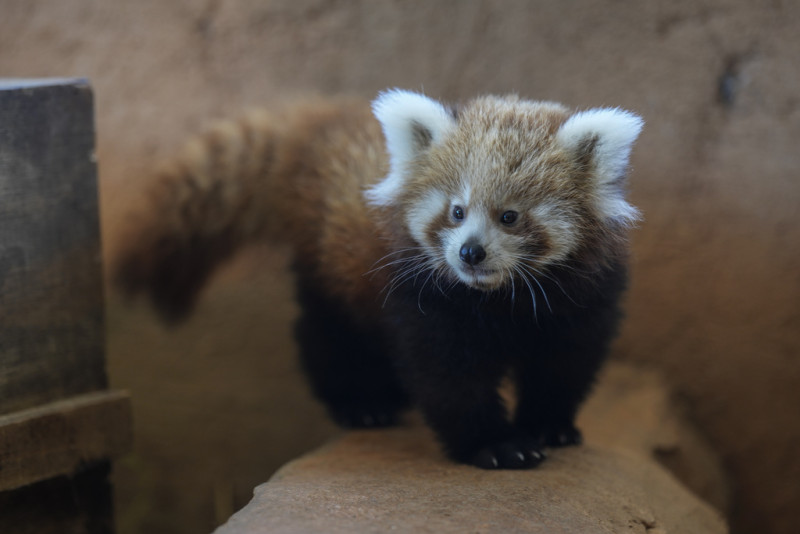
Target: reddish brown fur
[{"x": 294, "y": 177}]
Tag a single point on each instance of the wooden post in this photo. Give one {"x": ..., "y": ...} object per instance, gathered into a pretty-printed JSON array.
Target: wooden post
[
  {"x": 51, "y": 293},
  {"x": 56, "y": 417}
]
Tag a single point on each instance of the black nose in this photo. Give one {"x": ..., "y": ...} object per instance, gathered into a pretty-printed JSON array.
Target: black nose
[{"x": 472, "y": 253}]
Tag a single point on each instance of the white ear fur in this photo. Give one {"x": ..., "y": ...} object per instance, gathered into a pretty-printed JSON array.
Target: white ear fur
[
  {"x": 609, "y": 134},
  {"x": 411, "y": 122}
]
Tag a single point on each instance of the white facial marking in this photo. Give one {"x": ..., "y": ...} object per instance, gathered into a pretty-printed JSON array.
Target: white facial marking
[
  {"x": 466, "y": 191},
  {"x": 561, "y": 231},
  {"x": 421, "y": 214},
  {"x": 478, "y": 228}
]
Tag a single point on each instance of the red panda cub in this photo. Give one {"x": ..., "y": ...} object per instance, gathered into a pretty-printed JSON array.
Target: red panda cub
[{"x": 437, "y": 250}]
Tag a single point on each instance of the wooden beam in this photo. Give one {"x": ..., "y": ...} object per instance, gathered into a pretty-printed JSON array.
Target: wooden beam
[{"x": 61, "y": 437}]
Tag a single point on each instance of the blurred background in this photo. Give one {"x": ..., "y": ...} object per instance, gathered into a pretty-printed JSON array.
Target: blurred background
[{"x": 219, "y": 402}]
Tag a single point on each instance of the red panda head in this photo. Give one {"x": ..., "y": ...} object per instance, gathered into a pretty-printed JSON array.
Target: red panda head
[{"x": 502, "y": 188}]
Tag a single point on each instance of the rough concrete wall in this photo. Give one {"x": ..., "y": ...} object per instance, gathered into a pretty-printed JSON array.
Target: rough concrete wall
[{"x": 715, "y": 295}]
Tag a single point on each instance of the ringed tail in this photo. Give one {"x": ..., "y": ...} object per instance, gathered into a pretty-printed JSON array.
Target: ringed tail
[{"x": 204, "y": 205}]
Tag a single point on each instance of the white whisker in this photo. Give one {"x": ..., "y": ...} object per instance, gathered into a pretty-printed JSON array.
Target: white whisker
[
  {"x": 544, "y": 294},
  {"x": 419, "y": 295},
  {"x": 377, "y": 267},
  {"x": 524, "y": 277},
  {"x": 402, "y": 277},
  {"x": 557, "y": 283},
  {"x": 513, "y": 289}
]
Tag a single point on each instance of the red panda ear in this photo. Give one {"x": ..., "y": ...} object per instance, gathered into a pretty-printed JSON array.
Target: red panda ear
[
  {"x": 411, "y": 123},
  {"x": 604, "y": 137}
]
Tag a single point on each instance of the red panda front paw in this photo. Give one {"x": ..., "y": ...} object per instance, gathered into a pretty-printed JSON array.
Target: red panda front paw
[{"x": 521, "y": 453}]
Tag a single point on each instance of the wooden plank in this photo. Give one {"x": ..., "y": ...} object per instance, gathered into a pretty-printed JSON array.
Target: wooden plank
[
  {"x": 51, "y": 299},
  {"x": 61, "y": 437}
]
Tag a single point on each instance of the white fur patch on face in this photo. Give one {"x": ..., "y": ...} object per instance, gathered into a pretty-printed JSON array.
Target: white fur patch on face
[
  {"x": 423, "y": 212},
  {"x": 614, "y": 132},
  {"x": 476, "y": 228},
  {"x": 561, "y": 231},
  {"x": 411, "y": 123},
  {"x": 473, "y": 227}
]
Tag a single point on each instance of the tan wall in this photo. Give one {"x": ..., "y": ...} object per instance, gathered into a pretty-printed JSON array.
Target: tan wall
[{"x": 716, "y": 291}]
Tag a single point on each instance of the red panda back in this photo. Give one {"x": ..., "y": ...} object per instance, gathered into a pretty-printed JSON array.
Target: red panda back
[
  {"x": 332, "y": 152},
  {"x": 295, "y": 177}
]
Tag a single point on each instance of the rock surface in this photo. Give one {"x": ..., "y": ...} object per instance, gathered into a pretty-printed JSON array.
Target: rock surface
[{"x": 397, "y": 480}]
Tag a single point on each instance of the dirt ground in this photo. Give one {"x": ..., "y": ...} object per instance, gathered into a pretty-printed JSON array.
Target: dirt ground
[{"x": 219, "y": 402}]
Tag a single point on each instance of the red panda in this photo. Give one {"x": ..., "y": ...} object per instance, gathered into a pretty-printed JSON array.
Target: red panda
[{"x": 437, "y": 250}]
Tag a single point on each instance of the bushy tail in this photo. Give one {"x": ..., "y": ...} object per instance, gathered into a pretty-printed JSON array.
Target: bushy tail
[{"x": 204, "y": 205}]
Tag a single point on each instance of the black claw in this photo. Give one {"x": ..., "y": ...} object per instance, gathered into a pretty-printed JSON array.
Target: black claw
[
  {"x": 534, "y": 458},
  {"x": 537, "y": 456},
  {"x": 511, "y": 457},
  {"x": 514, "y": 454},
  {"x": 486, "y": 459}
]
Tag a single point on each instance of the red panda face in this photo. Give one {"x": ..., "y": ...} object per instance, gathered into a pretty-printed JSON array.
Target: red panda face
[
  {"x": 492, "y": 226},
  {"x": 496, "y": 194}
]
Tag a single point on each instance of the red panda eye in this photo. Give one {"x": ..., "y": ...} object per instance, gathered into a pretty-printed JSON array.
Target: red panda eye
[
  {"x": 458, "y": 213},
  {"x": 509, "y": 217}
]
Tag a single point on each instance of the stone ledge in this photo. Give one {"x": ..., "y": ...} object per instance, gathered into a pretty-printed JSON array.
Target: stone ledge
[{"x": 396, "y": 480}]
